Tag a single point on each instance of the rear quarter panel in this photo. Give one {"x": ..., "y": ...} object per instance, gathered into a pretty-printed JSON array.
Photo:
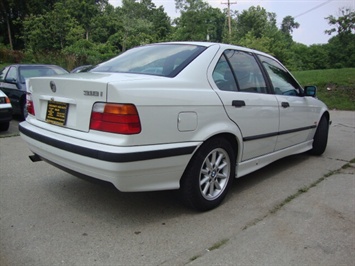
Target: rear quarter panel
[{"x": 160, "y": 110}]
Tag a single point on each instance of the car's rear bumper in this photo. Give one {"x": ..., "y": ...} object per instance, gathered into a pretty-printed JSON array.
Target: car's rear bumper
[{"x": 136, "y": 168}]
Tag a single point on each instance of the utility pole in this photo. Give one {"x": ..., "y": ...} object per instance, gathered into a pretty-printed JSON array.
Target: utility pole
[{"x": 229, "y": 15}]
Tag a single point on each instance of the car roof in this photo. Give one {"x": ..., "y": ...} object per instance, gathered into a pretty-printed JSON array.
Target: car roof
[
  {"x": 221, "y": 45},
  {"x": 35, "y": 65}
]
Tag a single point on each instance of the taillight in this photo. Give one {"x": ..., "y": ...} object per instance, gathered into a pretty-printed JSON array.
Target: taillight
[
  {"x": 115, "y": 118},
  {"x": 7, "y": 100},
  {"x": 29, "y": 103}
]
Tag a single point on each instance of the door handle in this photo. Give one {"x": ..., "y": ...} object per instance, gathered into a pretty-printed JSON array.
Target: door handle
[
  {"x": 285, "y": 104},
  {"x": 237, "y": 103}
]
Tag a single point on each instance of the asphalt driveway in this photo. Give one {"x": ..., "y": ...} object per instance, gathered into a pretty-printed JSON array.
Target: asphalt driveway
[{"x": 297, "y": 211}]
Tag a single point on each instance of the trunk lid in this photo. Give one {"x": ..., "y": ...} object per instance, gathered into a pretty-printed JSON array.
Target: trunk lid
[{"x": 67, "y": 100}]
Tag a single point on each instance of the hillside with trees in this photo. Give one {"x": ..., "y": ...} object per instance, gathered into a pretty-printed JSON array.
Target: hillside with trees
[{"x": 77, "y": 32}]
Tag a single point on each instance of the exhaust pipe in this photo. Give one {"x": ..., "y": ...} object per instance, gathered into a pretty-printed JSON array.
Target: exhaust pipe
[{"x": 35, "y": 158}]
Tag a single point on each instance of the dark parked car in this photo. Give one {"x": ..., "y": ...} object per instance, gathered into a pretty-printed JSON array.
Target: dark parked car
[{"x": 13, "y": 82}]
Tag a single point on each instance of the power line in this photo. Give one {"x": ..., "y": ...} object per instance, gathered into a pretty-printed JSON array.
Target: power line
[{"x": 314, "y": 8}]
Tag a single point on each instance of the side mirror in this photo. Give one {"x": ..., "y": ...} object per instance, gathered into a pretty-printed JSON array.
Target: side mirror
[{"x": 310, "y": 91}]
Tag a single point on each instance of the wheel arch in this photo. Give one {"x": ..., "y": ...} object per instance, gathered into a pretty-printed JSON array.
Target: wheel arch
[
  {"x": 326, "y": 115},
  {"x": 190, "y": 180},
  {"x": 234, "y": 141}
]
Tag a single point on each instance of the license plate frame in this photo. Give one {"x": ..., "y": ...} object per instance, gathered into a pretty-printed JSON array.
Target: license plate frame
[{"x": 57, "y": 113}]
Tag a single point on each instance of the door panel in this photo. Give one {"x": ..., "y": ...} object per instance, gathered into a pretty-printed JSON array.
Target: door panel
[
  {"x": 258, "y": 121},
  {"x": 243, "y": 92},
  {"x": 297, "y": 117},
  {"x": 297, "y": 121}
]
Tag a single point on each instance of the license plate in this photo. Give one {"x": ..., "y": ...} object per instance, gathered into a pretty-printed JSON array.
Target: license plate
[{"x": 57, "y": 113}]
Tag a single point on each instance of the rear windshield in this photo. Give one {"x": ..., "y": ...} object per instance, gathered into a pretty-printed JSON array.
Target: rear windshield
[
  {"x": 39, "y": 71},
  {"x": 159, "y": 59}
]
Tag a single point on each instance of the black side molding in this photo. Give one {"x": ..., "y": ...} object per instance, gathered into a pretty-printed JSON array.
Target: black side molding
[{"x": 107, "y": 156}]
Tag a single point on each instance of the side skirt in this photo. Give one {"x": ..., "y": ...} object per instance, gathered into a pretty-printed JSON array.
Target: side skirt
[{"x": 246, "y": 167}]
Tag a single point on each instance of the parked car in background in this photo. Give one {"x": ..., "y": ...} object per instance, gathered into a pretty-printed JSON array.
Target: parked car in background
[
  {"x": 83, "y": 68},
  {"x": 5, "y": 112},
  {"x": 13, "y": 82},
  {"x": 184, "y": 115}
]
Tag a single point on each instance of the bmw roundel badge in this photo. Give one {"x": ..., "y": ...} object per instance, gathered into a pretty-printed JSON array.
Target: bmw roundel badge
[{"x": 53, "y": 86}]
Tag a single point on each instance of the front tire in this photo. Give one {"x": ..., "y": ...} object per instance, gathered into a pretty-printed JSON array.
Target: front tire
[
  {"x": 209, "y": 175},
  {"x": 320, "y": 139}
]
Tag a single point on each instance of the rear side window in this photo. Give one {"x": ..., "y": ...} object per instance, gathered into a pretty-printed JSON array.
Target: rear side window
[
  {"x": 281, "y": 79},
  {"x": 238, "y": 70}
]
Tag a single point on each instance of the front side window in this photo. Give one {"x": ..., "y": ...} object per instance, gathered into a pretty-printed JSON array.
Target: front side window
[
  {"x": 160, "y": 59},
  {"x": 282, "y": 81},
  {"x": 238, "y": 69}
]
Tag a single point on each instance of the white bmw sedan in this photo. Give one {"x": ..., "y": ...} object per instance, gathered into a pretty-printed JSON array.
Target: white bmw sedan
[{"x": 185, "y": 115}]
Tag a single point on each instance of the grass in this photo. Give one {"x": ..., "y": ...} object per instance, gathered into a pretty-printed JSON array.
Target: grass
[{"x": 336, "y": 87}]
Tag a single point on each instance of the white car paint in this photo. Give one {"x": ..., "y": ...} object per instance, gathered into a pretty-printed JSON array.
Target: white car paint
[{"x": 177, "y": 115}]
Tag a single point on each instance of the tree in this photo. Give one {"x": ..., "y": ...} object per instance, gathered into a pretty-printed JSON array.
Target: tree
[
  {"x": 341, "y": 47},
  {"x": 288, "y": 24},
  {"x": 344, "y": 24},
  {"x": 139, "y": 23},
  {"x": 256, "y": 28},
  {"x": 190, "y": 5},
  {"x": 256, "y": 20},
  {"x": 53, "y": 30},
  {"x": 13, "y": 13},
  {"x": 198, "y": 21},
  {"x": 5, "y": 19},
  {"x": 85, "y": 11},
  {"x": 106, "y": 24}
]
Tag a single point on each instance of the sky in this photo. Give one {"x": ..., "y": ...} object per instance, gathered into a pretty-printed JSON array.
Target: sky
[{"x": 310, "y": 14}]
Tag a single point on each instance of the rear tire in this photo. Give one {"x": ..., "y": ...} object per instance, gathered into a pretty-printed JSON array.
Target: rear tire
[
  {"x": 320, "y": 139},
  {"x": 4, "y": 126},
  {"x": 24, "y": 111},
  {"x": 209, "y": 175}
]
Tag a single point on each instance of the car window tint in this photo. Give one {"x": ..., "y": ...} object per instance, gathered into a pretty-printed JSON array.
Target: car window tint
[
  {"x": 163, "y": 60},
  {"x": 38, "y": 71},
  {"x": 282, "y": 81},
  {"x": 11, "y": 75},
  {"x": 247, "y": 71},
  {"x": 3, "y": 73},
  {"x": 223, "y": 76}
]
